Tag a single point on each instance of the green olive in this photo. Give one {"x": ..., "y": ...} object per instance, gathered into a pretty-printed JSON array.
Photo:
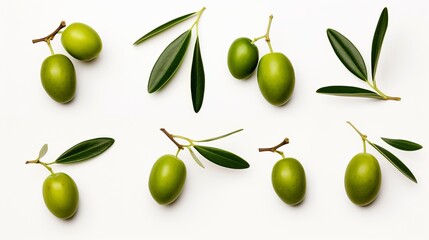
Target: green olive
[
  {"x": 289, "y": 181},
  {"x": 243, "y": 58},
  {"x": 362, "y": 179},
  {"x": 276, "y": 78},
  {"x": 167, "y": 178},
  {"x": 58, "y": 78},
  {"x": 81, "y": 41},
  {"x": 61, "y": 195}
]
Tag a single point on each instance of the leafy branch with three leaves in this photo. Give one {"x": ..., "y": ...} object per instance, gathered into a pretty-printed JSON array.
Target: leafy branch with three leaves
[
  {"x": 171, "y": 58},
  {"x": 353, "y": 61}
]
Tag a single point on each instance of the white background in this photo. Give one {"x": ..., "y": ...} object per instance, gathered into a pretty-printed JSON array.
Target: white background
[{"x": 216, "y": 203}]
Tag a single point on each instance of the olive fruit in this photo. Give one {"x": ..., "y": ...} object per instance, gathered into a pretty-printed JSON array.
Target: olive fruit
[
  {"x": 167, "y": 178},
  {"x": 289, "y": 181},
  {"x": 58, "y": 78},
  {"x": 276, "y": 78},
  {"x": 61, "y": 195},
  {"x": 81, "y": 41},
  {"x": 243, "y": 58},
  {"x": 362, "y": 179}
]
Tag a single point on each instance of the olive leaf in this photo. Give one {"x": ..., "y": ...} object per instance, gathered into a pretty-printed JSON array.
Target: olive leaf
[
  {"x": 377, "y": 41},
  {"x": 348, "y": 91},
  {"x": 43, "y": 151},
  {"x": 197, "y": 78},
  {"x": 85, "y": 150},
  {"x": 168, "y": 62},
  {"x": 402, "y": 144},
  {"x": 164, "y": 27},
  {"x": 348, "y": 54},
  {"x": 221, "y": 157},
  {"x": 395, "y": 161},
  {"x": 195, "y": 157}
]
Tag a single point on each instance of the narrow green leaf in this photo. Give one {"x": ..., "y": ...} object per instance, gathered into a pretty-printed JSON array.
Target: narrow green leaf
[
  {"x": 197, "y": 78},
  {"x": 348, "y": 91},
  {"x": 168, "y": 62},
  {"x": 164, "y": 27},
  {"x": 348, "y": 54},
  {"x": 377, "y": 41},
  {"x": 395, "y": 161},
  {"x": 195, "y": 157},
  {"x": 403, "y": 144},
  {"x": 85, "y": 150},
  {"x": 221, "y": 157},
  {"x": 43, "y": 151}
]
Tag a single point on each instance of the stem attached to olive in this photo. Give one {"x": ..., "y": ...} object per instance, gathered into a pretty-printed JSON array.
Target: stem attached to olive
[
  {"x": 37, "y": 160},
  {"x": 274, "y": 149},
  {"x": 50, "y": 37},
  {"x": 267, "y": 35},
  {"x": 363, "y": 136},
  {"x": 180, "y": 146}
]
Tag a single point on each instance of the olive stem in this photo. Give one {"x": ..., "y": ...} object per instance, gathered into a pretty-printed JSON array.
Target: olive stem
[
  {"x": 178, "y": 151},
  {"x": 257, "y": 38},
  {"x": 47, "y": 167},
  {"x": 266, "y": 36},
  {"x": 180, "y": 146},
  {"x": 363, "y": 136},
  {"x": 274, "y": 149},
  {"x": 384, "y": 96},
  {"x": 184, "y": 138},
  {"x": 37, "y": 161},
  {"x": 198, "y": 19},
  {"x": 32, "y": 161},
  {"x": 50, "y": 47},
  {"x": 52, "y": 35}
]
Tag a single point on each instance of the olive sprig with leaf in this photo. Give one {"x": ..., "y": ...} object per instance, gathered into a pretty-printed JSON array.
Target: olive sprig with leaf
[
  {"x": 363, "y": 175},
  {"x": 218, "y": 156},
  {"x": 168, "y": 174},
  {"x": 60, "y": 192},
  {"x": 353, "y": 61},
  {"x": 171, "y": 58}
]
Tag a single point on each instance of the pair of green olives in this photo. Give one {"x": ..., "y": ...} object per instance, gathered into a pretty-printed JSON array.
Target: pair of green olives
[
  {"x": 362, "y": 180},
  {"x": 275, "y": 74},
  {"x": 168, "y": 176},
  {"x": 57, "y": 73}
]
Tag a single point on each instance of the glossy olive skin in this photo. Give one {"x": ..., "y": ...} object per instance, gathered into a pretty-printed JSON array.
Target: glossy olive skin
[
  {"x": 58, "y": 78},
  {"x": 167, "y": 178},
  {"x": 243, "y": 58},
  {"x": 81, "y": 41},
  {"x": 276, "y": 78},
  {"x": 362, "y": 179},
  {"x": 61, "y": 195},
  {"x": 289, "y": 181}
]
